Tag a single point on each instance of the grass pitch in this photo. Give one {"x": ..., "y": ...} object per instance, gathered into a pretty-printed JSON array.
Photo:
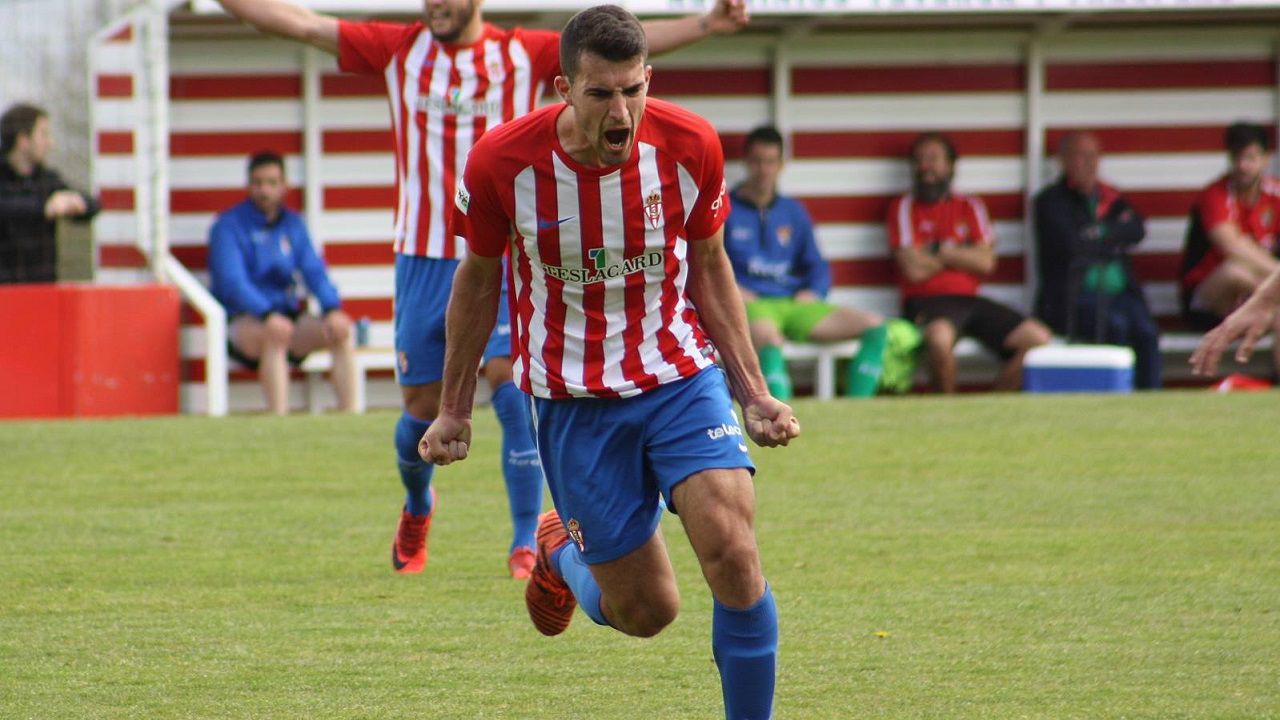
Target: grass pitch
[{"x": 980, "y": 557}]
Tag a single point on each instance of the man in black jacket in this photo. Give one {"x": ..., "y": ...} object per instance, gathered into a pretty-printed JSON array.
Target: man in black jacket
[
  {"x": 1087, "y": 288},
  {"x": 32, "y": 198}
]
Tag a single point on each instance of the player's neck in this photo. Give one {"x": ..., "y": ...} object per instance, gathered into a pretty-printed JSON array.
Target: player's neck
[
  {"x": 758, "y": 195},
  {"x": 1249, "y": 193}
]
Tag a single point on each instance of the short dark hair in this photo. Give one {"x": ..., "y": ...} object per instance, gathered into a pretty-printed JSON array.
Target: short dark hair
[
  {"x": 605, "y": 30},
  {"x": 266, "y": 157},
  {"x": 935, "y": 137},
  {"x": 19, "y": 119},
  {"x": 1242, "y": 134},
  {"x": 763, "y": 135}
]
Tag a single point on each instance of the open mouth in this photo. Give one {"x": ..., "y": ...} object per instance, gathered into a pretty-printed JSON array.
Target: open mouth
[{"x": 616, "y": 139}]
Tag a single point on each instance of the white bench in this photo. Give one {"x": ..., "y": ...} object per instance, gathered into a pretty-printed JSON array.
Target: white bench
[
  {"x": 367, "y": 358},
  {"x": 824, "y": 357}
]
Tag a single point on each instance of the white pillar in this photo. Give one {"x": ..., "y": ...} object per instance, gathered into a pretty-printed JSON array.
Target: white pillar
[{"x": 1034, "y": 160}]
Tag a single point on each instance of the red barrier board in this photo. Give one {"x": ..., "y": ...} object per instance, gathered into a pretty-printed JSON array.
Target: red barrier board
[{"x": 71, "y": 350}]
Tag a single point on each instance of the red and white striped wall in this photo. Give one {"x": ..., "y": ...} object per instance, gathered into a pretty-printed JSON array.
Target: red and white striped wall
[{"x": 851, "y": 102}]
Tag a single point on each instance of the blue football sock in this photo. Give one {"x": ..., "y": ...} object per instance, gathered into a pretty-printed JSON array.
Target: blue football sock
[
  {"x": 521, "y": 467},
  {"x": 745, "y": 646},
  {"x": 573, "y": 569},
  {"x": 415, "y": 472}
]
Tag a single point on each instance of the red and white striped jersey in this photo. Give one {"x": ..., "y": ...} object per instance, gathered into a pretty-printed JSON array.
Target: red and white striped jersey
[
  {"x": 443, "y": 97},
  {"x": 599, "y": 255},
  {"x": 959, "y": 219}
]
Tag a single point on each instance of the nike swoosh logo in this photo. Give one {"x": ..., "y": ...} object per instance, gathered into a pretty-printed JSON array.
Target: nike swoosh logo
[
  {"x": 742, "y": 447},
  {"x": 395, "y": 559},
  {"x": 548, "y": 224}
]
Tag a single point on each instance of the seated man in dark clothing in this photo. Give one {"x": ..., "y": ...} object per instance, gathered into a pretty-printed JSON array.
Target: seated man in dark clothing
[
  {"x": 32, "y": 198},
  {"x": 1084, "y": 232}
]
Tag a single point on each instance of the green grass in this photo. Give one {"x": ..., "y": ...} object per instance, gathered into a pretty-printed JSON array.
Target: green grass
[{"x": 981, "y": 557}]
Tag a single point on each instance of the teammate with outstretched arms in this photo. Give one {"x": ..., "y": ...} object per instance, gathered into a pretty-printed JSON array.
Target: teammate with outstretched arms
[
  {"x": 611, "y": 207},
  {"x": 451, "y": 78}
]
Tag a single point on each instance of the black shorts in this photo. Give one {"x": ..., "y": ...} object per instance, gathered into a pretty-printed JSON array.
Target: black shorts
[
  {"x": 1199, "y": 320},
  {"x": 234, "y": 352},
  {"x": 974, "y": 316}
]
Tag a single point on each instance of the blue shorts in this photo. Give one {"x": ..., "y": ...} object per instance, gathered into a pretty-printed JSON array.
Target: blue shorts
[
  {"x": 607, "y": 460},
  {"x": 422, "y": 299}
]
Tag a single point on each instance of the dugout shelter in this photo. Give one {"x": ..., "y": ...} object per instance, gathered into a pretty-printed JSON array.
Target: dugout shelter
[{"x": 182, "y": 94}]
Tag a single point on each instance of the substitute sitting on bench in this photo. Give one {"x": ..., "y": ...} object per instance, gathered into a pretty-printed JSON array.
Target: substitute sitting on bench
[
  {"x": 783, "y": 278},
  {"x": 257, "y": 250}
]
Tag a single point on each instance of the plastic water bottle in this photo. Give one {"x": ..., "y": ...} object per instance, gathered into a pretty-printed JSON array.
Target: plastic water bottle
[{"x": 362, "y": 332}]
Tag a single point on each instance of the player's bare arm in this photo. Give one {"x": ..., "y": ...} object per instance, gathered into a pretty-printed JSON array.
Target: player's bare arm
[
  {"x": 1240, "y": 247},
  {"x": 917, "y": 265},
  {"x": 978, "y": 259},
  {"x": 287, "y": 20},
  {"x": 473, "y": 310},
  {"x": 768, "y": 420},
  {"x": 1250, "y": 321},
  {"x": 728, "y": 16}
]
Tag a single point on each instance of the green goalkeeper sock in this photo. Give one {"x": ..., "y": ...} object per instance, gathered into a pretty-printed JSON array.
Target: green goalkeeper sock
[
  {"x": 775, "y": 372},
  {"x": 863, "y": 373}
]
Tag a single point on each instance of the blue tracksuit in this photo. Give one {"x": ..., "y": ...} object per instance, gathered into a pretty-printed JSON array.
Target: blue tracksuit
[
  {"x": 773, "y": 250},
  {"x": 254, "y": 265}
]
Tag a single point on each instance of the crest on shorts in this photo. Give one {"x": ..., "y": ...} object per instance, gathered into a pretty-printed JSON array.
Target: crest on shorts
[
  {"x": 403, "y": 358},
  {"x": 575, "y": 534},
  {"x": 653, "y": 208},
  {"x": 1267, "y": 217},
  {"x": 962, "y": 231}
]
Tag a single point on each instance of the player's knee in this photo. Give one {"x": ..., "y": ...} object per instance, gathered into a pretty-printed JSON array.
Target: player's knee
[
  {"x": 651, "y": 615},
  {"x": 1034, "y": 334},
  {"x": 277, "y": 333}
]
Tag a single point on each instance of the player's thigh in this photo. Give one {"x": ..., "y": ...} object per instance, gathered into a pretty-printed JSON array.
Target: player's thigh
[
  {"x": 717, "y": 508},
  {"x": 308, "y": 335},
  {"x": 643, "y": 578},
  {"x": 247, "y": 334},
  {"x": 842, "y": 323},
  {"x": 1221, "y": 290},
  {"x": 422, "y": 298}
]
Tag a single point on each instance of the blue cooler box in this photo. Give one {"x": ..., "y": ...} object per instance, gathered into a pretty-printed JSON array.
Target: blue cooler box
[{"x": 1078, "y": 368}]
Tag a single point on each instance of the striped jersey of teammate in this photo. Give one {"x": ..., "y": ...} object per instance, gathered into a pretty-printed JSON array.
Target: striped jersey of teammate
[
  {"x": 443, "y": 97},
  {"x": 598, "y": 253},
  {"x": 957, "y": 218}
]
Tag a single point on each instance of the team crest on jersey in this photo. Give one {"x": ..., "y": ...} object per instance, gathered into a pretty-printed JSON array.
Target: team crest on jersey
[
  {"x": 1267, "y": 217},
  {"x": 575, "y": 534},
  {"x": 653, "y": 208},
  {"x": 784, "y": 235},
  {"x": 962, "y": 231},
  {"x": 286, "y": 247}
]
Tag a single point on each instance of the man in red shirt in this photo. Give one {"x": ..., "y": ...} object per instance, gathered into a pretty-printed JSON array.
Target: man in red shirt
[
  {"x": 611, "y": 208},
  {"x": 944, "y": 245},
  {"x": 451, "y": 78},
  {"x": 1231, "y": 241}
]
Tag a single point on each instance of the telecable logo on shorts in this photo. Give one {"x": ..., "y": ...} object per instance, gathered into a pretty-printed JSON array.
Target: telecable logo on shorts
[{"x": 724, "y": 430}]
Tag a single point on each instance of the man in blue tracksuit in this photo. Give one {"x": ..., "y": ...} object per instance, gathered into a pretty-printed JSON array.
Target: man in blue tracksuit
[
  {"x": 257, "y": 251},
  {"x": 784, "y": 279}
]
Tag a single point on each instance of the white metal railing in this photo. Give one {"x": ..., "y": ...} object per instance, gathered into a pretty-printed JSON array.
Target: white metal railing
[{"x": 215, "y": 328}]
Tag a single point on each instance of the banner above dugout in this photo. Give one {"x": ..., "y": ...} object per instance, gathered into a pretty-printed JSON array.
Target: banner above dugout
[{"x": 791, "y": 7}]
